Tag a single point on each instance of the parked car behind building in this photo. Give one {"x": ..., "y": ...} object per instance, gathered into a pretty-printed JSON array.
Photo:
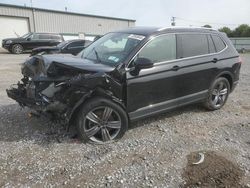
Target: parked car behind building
[
  {"x": 30, "y": 41},
  {"x": 66, "y": 47}
]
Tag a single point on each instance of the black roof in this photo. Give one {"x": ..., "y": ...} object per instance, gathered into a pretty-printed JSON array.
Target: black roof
[
  {"x": 155, "y": 30},
  {"x": 65, "y": 12}
]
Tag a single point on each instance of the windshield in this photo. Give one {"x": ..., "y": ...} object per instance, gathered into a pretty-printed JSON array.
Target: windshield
[
  {"x": 112, "y": 49},
  {"x": 26, "y": 35}
]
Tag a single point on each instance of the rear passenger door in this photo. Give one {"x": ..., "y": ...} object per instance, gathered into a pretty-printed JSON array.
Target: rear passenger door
[{"x": 195, "y": 52}]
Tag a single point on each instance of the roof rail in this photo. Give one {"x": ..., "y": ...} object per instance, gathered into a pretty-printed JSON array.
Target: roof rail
[{"x": 190, "y": 27}]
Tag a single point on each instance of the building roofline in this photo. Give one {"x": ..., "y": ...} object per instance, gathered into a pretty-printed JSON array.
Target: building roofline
[{"x": 64, "y": 12}]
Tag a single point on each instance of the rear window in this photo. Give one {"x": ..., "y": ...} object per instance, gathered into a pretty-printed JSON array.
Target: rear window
[
  {"x": 218, "y": 42},
  {"x": 189, "y": 45}
]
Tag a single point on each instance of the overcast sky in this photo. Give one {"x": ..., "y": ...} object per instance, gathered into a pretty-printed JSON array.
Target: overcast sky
[{"x": 217, "y": 13}]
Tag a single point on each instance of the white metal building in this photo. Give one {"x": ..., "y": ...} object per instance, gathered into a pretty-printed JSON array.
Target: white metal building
[{"x": 18, "y": 20}]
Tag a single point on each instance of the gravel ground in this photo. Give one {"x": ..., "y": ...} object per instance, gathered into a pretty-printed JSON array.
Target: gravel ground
[{"x": 154, "y": 152}]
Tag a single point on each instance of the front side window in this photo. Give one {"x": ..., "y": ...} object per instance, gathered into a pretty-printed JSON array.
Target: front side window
[
  {"x": 189, "y": 45},
  {"x": 112, "y": 49},
  {"x": 160, "y": 49}
]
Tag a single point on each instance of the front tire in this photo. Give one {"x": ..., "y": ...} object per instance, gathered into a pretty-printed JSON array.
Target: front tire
[
  {"x": 218, "y": 94},
  {"x": 101, "y": 120},
  {"x": 17, "y": 49}
]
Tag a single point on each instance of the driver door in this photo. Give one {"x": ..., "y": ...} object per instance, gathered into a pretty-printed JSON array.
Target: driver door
[{"x": 150, "y": 88}]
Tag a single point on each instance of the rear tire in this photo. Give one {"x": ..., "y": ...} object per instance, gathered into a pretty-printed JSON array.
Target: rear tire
[
  {"x": 218, "y": 94},
  {"x": 17, "y": 49},
  {"x": 101, "y": 121}
]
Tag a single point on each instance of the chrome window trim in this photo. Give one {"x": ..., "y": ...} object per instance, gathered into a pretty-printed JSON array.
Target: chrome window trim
[{"x": 175, "y": 60}]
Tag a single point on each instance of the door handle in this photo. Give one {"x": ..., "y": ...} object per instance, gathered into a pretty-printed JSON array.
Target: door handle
[
  {"x": 214, "y": 60},
  {"x": 175, "y": 68}
]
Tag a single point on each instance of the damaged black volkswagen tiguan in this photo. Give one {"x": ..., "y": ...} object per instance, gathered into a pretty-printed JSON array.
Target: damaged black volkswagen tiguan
[{"x": 128, "y": 75}]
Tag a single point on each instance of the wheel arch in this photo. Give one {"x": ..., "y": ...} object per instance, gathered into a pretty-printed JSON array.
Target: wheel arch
[
  {"x": 228, "y": 75},
  {"x": 98, "y": 92}
]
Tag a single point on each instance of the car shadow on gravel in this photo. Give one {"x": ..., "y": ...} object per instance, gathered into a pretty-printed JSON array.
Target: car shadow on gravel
[
  {"x": 5, "y": 52},
  {"x": 16, "y": 124}
]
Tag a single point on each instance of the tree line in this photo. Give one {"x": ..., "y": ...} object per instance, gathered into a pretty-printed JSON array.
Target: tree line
[{"x": 242, "y": 30}]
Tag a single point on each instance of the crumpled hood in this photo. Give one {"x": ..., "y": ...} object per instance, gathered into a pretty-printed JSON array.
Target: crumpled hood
[
  {"x": 71, "y": 61},
  {"x": 61, "y": 65}
]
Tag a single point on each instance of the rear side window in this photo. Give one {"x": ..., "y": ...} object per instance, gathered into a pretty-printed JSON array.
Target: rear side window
[
  {"x": 44, "y": 37},
  {"x": 162, "y": 48},
  {"x": 218, "y": 42},
  {"x": 55, "y": 37},
  {"x": 189, "y": 45},
  {"x": 210, "y": 44}
]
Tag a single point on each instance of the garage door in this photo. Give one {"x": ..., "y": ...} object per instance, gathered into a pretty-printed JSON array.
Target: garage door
[{"x": 13, "y": 27}]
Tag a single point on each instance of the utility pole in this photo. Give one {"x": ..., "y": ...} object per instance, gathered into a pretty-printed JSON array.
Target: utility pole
[
  {"x": 31, "y": 3},
  {"x": 173, "y": 21}
]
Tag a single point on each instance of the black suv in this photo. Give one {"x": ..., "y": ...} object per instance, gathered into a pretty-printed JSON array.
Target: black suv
[
  {"x": 66, "y": 47},
  {"x": 128, "y": 75},
  {"x": 30, "y": 41}
]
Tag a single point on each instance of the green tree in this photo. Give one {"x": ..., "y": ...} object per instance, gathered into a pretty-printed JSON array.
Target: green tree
[
  {"x": 242, "y": 31},
  {"x": 207, "y": 26},
  {"x": 227, "y": 30}
]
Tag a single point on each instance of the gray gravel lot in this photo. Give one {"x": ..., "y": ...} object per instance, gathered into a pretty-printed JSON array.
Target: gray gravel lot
[{"x": 153, "y": 153}]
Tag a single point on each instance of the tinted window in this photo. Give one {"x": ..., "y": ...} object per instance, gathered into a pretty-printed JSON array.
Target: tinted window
[
  {"x": 43, "y": 36},
  {"x": 219, "y": 44},
  {"x": 55, "y": 37},
  {"x": 34, "y": 36},
  {"x": 210, "y": 44},
  {"x": 76, "y": 44},
  {"x": 87, "y": 42},
  {"x": 160, "y": 49},
  {"x": 191, "y": 45}
]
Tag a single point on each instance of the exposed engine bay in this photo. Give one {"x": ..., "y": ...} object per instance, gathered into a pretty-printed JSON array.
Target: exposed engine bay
[{"x": 58, "y": 86}]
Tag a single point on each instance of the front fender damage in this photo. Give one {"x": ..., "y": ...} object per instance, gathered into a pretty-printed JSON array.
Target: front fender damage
[{"x": 60, "y": 97}]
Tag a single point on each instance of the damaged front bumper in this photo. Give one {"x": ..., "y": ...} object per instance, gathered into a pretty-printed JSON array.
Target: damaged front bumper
[
  {"x": 18, "y": 94},
  {"x": 58, "y": 89},
  {"x": 27, "y": 96}
]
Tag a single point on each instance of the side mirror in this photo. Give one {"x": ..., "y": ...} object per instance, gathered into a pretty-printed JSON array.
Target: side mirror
[
  {"x": 143, "y": 63},
  {"x": 28, "y": 39}
]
